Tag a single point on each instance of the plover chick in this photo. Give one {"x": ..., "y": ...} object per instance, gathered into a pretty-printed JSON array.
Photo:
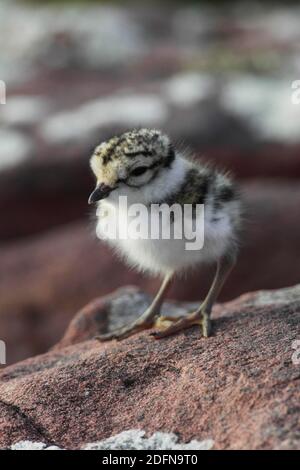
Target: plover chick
[{"x": 144, "y": 166}]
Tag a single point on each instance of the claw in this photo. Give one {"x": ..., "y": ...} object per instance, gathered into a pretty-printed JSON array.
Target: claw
[
  {"x": 163, "y": 322},
  {"x": 125, "y": 332},
  {"x": 193, "y": 319}
]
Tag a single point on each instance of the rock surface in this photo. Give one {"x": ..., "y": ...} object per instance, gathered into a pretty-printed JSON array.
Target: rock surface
[{"x": 239, "y": 388}]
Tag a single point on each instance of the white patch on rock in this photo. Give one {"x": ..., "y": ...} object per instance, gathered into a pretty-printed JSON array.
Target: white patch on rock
[
  {"x": 29, "y": 445},
  {"x": 15, "y": 148},
  {"x": 120, "y": 109},
  {"x": 93, "y": 37},
  {"x": 186, "y": 89},
  {"x": 280, "y": 297},
  {"x": 267, "y": 104},
  {"x": 133, "y": 439},
  {"x": 20, "y": 110}
]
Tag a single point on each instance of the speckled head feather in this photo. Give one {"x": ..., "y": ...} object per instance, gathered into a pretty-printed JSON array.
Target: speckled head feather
[{"x": 115, "y": 160}]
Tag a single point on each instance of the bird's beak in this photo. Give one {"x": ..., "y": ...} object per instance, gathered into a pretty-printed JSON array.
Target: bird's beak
[{"x": 101, "y": 192}]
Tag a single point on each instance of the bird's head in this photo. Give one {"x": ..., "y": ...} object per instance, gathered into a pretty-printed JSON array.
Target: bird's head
[{"x": 130, "y": 161}]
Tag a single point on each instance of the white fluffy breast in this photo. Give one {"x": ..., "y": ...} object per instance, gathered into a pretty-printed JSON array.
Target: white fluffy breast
[{"x": 167, "y": 255}]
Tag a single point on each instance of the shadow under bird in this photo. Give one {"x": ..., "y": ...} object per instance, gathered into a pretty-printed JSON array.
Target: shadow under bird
[{"x": 144, "y": 166}]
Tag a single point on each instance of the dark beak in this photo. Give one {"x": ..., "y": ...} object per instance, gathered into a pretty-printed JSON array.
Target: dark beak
[{"x": 101, "y": 192}]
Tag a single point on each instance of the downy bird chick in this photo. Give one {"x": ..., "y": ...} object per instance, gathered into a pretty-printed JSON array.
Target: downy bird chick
[{"x": 144, "y": 166}]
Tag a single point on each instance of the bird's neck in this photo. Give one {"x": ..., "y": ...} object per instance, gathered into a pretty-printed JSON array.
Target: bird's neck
[{"x": 167, "y": 182}]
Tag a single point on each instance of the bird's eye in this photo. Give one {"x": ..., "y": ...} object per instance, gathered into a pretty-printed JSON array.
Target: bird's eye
[{"x": 139, "y": 171}]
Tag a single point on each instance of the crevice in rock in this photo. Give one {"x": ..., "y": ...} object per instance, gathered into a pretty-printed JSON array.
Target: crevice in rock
[{"x": 37, "y": 428}]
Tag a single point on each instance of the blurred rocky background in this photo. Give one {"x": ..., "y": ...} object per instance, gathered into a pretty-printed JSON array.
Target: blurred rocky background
[{"x": 217, "y": 77}]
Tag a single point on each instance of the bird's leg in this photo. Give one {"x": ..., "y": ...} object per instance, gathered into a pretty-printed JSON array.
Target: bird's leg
[
  {"x": 202, "y": 315},
  {"x": 146, "y": 320}
]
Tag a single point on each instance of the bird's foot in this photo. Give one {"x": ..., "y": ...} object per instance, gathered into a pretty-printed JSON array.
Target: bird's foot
[
  {"x": 126, "y": 331},
  {"x": 166, "y": 325},
  {"x": 145, "y": 322},
  {"x": 138, "y": 325},
  {"x": 169, "y": 326}
]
